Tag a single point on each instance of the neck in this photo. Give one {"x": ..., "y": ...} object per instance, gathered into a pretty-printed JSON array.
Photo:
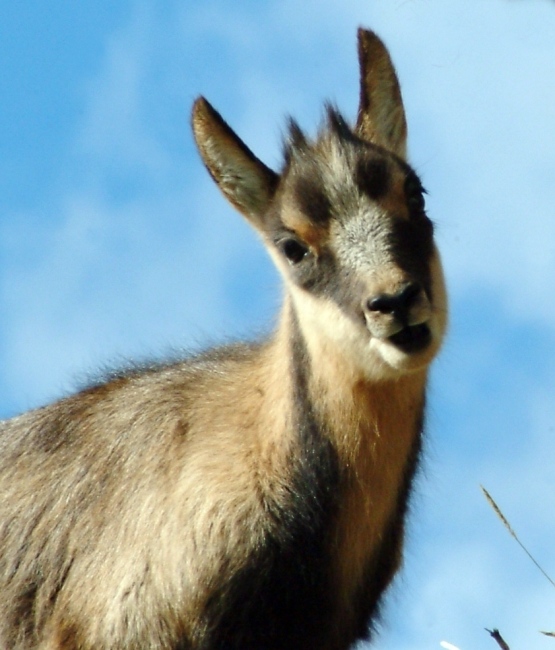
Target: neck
[
  {"x": 373, "y": 429},
  {"x": 356, "y": 411}
]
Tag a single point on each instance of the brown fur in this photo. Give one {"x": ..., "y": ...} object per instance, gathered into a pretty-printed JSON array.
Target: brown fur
[{"x": 252, "y": 497}]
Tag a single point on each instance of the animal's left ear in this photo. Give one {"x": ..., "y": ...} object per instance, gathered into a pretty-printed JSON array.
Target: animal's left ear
[{"x": 381, "y": 116}]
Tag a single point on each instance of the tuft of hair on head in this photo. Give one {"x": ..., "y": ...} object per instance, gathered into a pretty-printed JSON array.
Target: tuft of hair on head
[
  {"x": 295, "y": 141},
  {"x": 334, "y": 126},
  {"x": 337, "y": 125}
]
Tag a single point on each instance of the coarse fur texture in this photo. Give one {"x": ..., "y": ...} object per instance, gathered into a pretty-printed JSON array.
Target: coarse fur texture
[{"x": 252, "y": 497}]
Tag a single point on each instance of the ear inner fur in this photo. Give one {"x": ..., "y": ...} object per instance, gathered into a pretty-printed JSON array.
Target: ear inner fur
[{"x": 244, "y": 179}]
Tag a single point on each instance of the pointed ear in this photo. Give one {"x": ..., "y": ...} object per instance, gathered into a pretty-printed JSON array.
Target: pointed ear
[
  {"x": 381, "y": 116},
  {"x": 244, "y": 180}
]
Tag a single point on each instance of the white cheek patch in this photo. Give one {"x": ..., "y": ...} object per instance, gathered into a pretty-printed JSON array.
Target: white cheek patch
[{"x": 327, "y": 330}]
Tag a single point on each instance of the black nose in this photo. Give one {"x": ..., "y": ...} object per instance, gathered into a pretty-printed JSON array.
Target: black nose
[{"x": 397, "y": 304}]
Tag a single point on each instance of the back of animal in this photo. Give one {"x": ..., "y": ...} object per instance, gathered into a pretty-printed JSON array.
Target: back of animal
[{"x": 252, "y": 497}]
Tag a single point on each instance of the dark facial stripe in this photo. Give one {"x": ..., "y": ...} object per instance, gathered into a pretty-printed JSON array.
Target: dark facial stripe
[
  {"x": 324, "y": 276},
  {"x": 311, "y": 198},
  {"x": 372, "y": 177},
  {"x": 412, "y": 245}
]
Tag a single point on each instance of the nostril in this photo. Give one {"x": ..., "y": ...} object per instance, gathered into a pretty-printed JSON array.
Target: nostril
[
  {"x": 398, "y": 303},
  {"x": 384, "y": 304}
]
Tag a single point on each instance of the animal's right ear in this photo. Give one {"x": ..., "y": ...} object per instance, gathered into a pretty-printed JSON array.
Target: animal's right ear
[
  {"x": 244, "y": 179},
  {"x": 381, "y": 116}
]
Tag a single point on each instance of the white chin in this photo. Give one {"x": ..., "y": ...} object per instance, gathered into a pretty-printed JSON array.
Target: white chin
[{"x": 388, "y": 361}]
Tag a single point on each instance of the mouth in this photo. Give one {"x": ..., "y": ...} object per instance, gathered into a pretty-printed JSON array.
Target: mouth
[{"x": 413, "y": 338}]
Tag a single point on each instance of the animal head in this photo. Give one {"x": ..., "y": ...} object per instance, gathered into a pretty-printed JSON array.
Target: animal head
[{"x": 345, "y": 223}]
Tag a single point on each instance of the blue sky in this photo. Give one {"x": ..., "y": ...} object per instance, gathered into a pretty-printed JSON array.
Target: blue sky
[{"x": 115, "y": 244}]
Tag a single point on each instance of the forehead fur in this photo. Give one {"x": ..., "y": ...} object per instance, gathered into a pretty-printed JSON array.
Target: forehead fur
[{"x": 331, "y": 176}]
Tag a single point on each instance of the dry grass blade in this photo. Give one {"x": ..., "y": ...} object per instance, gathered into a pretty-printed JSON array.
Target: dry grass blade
[
  {"x": 501, "y": 516},
  {"x": 497, "y": 636}
]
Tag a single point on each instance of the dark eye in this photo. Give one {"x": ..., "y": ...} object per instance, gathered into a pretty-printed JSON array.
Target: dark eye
[
  {"x": 417, "y": 204},
  {"x": 415, "y": 196},
  {"x": 293, "y": 250}
]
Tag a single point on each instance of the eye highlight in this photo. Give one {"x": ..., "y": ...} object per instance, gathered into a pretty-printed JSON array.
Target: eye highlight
[{"x": 293, "y": 249}]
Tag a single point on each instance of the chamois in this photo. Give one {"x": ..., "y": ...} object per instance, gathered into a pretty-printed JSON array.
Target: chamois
[{"x": 251, "y": 497}]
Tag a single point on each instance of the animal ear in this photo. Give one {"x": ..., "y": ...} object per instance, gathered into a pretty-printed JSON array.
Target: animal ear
[
  {"x": 381, "y": 116},
  {"x": 244, "y": 180}
]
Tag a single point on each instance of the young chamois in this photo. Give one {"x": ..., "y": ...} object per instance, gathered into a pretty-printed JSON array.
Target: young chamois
[{"x": 251, "y": 497}]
